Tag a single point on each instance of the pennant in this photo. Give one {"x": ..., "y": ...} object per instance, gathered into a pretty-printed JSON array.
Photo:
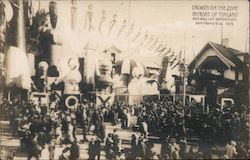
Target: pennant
[
  {"x": 131, "y": 29},
  {"x": 53, "y": 13},
  {"x": 179, "y": 55},
  {"x": 161, "y": 46},
  {"x": 171, "y": 56},
  {"x": 73, "y": 14},
  {"x": 124, "y": 25},
  {"x": 103, "y": 18},
  {"x": 173, "y": 60},
  {"x": 176, "y": 64},
  {"x": 154, "y": 44},
  {"x": 167, "y": 52},
  {"x": 2, "y": 13},
  {"x": 145, "y": 38},
  {"x": 158, "y": 47},
  {"x": 163, "y": 49},
  {"x": 137, "y": 35},
  {"x": 88, "y": 19},
  {"x": 179, "y": 60},
  {"x": 154, "y": 49},
  {"x": 149, "y": 41},
  {"x": 112, "y": 23},
  {"x": 28, "y": 12}
]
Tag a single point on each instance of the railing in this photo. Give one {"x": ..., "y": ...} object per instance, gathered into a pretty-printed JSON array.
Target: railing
[{"x": 131, "y": 99}]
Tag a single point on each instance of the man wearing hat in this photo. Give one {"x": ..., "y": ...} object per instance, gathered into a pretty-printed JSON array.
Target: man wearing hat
[
  {"x": 65, "y": 154},
  {"x": 74, "y": 151}
]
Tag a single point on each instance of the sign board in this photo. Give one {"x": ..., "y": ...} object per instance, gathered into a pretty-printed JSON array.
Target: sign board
[
  {"x": 37, "y": 98},
  {"x": 197, "y": 99},
  {"x": 225, "y": 102},
  {"x": 104, "y": 99}
]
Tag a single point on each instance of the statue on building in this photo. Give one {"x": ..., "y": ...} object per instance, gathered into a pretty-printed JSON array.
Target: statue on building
[
  {"x": 70, "y": 75},
  {"x": 104, "y": 80}
]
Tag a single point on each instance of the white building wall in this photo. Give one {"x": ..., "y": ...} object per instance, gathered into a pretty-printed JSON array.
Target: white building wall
[{"x": 229, "y": 74}]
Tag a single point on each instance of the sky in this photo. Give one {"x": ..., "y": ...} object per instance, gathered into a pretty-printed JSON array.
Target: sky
[{"x": 171, "y": 21}]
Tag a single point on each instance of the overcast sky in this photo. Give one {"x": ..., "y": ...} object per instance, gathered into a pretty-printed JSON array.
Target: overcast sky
[{"x": 169, "y": 20}]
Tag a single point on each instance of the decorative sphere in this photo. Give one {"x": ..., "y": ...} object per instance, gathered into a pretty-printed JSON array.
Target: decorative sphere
[{"x": 43, "y": 65}]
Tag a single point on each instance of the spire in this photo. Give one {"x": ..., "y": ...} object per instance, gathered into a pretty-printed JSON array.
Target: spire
[{"x": 17, "y": 65}]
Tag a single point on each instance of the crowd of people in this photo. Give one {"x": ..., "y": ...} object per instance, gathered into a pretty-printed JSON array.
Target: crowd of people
[{"x": 41, "y": 127}]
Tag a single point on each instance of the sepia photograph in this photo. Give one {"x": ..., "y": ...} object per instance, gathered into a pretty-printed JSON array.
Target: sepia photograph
[{"x": 124, "y": 79}]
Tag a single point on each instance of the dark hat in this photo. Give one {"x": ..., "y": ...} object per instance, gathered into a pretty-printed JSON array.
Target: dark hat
[{"x": 66, "y": 149}]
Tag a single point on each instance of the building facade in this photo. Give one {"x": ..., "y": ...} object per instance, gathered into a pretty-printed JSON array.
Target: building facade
[{"x": 219, "y": 71}]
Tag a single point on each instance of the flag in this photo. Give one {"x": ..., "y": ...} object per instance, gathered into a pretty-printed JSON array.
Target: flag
[
  {"x": 53, "y": 13},
  {"x": 103, "y": 18},
  {"x": 158, "y": 47},
  {"x": 88, "y": 19},
  {"x": 112, "y": 23},
  {"x": 154, "y": 44},
  {"x": 145, "y": 38},
  {"x": 73, "y": 15},
  {"x": 149, "y": 41},
  {"x": 163, "y": 49},
  {"x": 124, "y": 25},
  {"x": 137, "y": 35},
  {"x": 179, "y": 61},
  {"x": 167, "y": 52},
  {"x": 173, "y": 61},
  {"x": 131, "y": 29}
]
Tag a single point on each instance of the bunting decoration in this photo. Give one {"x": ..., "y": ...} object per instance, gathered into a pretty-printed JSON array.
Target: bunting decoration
[
  {"x": 173, "y": 60},
  {"x": 166, "y": 52},
  {"x": 131, "y": 29},
  {"x": 137, "y": 35},
  {"x": 124, "y": 25},
  {"x": 163, "y": 49},
  {"x": 115, "y": 34},
  {"x": 144, "y": 38},
  {"x": 73, "y": 14},
  {"x": 178, "y": 61},
  {"x": 154, "y": 44},
  {"x": 158, "y": 47},
  {"x": 112, "y": 23},
  {"x": 103, "y": 18},
  {"x": 149, "y": 41},
  {"x": 53, "y": 13},
  {"x": 2, "y": 13},
  {"x": 88, "y": 19},
  {"x": 30, "y": 12}
]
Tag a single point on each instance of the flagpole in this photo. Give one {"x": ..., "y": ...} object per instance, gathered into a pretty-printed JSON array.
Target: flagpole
[
  {"x": 221, "y": 38},
  {"x": 184, "y": 70}
]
